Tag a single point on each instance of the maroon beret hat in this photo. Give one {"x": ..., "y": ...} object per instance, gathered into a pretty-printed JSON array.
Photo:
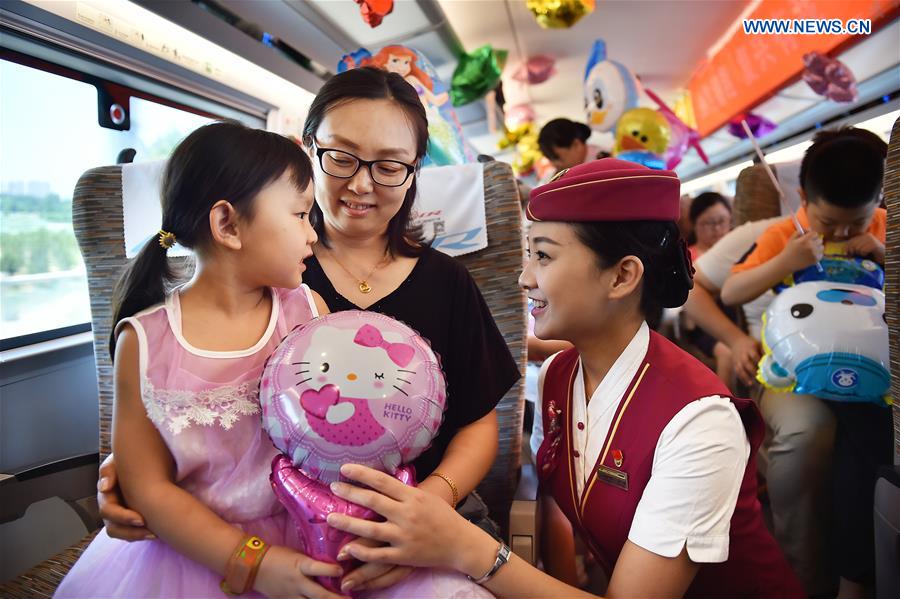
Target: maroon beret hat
[{"x": 607, "y": 190}]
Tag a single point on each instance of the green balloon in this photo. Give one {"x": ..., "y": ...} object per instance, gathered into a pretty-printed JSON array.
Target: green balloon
[{"x": 476, "y": 74}]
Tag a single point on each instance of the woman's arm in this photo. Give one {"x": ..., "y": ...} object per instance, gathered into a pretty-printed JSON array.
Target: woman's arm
[
  {"x": 557, "y": 542},
  {"x": 423, "y": 531},
  {"x": 146, "y": 472},
  {"x": 671, "y": 576},
  {"x": 467, "y": 459},
  {"x": 701, "y": 307}
]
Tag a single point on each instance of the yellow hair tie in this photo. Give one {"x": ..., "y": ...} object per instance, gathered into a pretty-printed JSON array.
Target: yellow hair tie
[{"x": 166, "y": 239}]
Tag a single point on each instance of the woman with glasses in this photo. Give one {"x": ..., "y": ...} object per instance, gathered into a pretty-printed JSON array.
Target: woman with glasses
[
  {"x": 366, "y": 133},
  {"x": 710, "y": 217}
]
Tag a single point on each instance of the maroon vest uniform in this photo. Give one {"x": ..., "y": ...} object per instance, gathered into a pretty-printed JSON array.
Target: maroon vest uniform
[{"x": 667, "y": 380}]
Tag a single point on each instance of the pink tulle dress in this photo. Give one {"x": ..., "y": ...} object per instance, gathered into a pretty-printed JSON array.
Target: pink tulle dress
[{"x": 205, "y": 405}]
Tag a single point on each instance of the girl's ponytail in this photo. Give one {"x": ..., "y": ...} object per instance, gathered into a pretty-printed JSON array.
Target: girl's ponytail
[{"x": 144, "y": 283}]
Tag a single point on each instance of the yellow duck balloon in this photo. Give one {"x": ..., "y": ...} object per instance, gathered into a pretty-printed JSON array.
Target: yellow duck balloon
[
  {"x": 642, "y": 129},
  {"x": 524, "y": 138},
  {"x": 529, "y": 152}
]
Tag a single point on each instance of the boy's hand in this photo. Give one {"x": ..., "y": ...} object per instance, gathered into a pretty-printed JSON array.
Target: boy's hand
[
  {"x": 866, "y": 244},
  {"x": 802, "y": 251},
  {"x": 745, "y": 354}
]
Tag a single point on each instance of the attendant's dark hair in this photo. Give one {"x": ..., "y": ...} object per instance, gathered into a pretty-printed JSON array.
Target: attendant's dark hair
[
  {"x": 705, "y": 201},
  {"x": 561, "y": 133},
  {"x": 369, "y": 83},
  {"x": 657, "y": 244},
  {"x": 844, "y": 167},
  {"x": 224, "y": 160}
]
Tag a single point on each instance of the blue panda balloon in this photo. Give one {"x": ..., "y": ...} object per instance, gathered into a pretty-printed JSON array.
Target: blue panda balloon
[
  {"x": 609, "y": 89},
  {"x": 829, "y": 340}
]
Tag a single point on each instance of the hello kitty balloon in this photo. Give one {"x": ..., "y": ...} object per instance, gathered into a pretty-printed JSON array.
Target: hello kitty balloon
[{"x": 355, "y": 387}]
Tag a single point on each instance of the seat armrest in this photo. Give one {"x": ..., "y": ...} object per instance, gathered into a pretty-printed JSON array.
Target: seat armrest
[
  {"x": 887, "y": 532},
  {"x": 524, "y": 517},
  {"x": 70, "y": 479}
]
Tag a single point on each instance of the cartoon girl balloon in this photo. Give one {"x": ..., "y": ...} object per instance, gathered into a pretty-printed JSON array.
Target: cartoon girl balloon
[
  {"x": 445, "y": 139},
  {"x": 403, "y": 61},
  {"x": 356, "y": 387}
]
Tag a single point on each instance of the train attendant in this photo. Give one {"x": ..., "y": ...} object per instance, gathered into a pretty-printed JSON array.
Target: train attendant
[{"x": 645, "y": 451}]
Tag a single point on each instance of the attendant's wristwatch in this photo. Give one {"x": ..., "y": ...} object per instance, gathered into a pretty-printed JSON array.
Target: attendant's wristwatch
[{"x": 503, "y": 553}]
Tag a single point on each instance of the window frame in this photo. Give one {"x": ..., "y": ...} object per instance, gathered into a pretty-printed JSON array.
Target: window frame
[
  {"x": 132, "y": 91},
  {"x": 42, "y": 336}
]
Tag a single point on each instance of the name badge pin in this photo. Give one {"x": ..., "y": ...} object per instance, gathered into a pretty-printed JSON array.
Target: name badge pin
[{"x": 613, "y": 477}]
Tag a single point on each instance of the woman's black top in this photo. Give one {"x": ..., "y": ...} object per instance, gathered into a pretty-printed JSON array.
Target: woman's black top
[{"x": 440, "y": 300}]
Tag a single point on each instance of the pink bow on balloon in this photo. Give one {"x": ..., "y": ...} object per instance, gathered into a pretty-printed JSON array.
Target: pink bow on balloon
[{"x": 400, "y": 354}]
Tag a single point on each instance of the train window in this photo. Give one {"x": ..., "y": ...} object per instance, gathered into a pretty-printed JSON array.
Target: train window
[{"x": 50, "y": 137}]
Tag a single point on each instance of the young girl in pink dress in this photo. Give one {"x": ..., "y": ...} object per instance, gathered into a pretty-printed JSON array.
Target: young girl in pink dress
[{"x": 190, "y": 451}]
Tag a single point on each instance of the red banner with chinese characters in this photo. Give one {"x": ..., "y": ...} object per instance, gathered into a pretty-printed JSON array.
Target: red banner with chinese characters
[{"x": 750, "y": 67}]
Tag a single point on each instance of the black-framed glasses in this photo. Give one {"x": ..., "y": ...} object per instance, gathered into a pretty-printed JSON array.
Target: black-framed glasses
[{"x": 344, "y": 165}]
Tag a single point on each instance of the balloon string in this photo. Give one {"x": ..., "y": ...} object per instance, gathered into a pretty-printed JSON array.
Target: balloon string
[
  {"x": 768, "y": 169},
  {"x": 522, "y": 56}
]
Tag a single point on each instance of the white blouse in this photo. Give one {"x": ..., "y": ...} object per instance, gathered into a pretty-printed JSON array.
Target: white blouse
[{"x": 697, "y": 467}]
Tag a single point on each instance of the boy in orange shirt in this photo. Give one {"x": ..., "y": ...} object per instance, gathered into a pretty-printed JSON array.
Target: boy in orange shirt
[{"x": 841, "y": 179}]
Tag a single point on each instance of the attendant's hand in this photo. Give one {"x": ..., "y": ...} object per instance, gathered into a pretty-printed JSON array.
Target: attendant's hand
[
  {"x": 866, "y": 244},
  {"x": 421, "y": 529},
  {"x": 802, "y": 251},
  {"x": 121, "y": 522},
  {"x": 745, "y": 355},
  {"x": 370, "y": 576},
  {"x": 286, "y": 573}
]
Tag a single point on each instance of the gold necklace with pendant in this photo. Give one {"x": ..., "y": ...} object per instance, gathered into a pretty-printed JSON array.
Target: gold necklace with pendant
[{"x": 362, "y": 284}]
